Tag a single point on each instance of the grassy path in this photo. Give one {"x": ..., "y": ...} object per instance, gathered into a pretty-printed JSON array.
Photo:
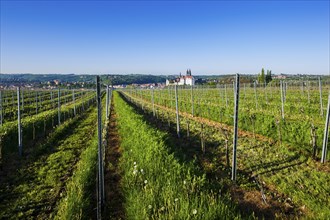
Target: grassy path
[{"x": 156, "y": 183}]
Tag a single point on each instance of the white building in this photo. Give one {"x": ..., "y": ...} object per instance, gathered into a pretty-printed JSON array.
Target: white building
[{"x": 188, "y": 79}]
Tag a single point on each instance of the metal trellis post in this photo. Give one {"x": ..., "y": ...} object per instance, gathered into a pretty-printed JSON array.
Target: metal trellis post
[
  {"x": 235, "y": 136},
  {"x": 177, "y": 111},
  {"x": 19, "y": 124},
  {"x": 1, "y": 112},
  {"x": 59, "y": 106},
  {"x": 282, "y": 98},
  {"x": 107, "y": 103},
  {"x": 74, "y": 103},
  {"x": 100, "y": 201},
  {"x": 326, "y": 133},
  {"x": 153, "y": 101},
  {"x": 192, "y": 100},
  {"x": 321, "y": 103}
]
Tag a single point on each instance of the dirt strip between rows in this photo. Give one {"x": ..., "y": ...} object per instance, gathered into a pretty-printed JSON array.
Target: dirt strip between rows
[{"x": 113, "y": 194}]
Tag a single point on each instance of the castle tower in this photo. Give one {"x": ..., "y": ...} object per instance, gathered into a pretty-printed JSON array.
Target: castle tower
[{"x": 188, "y": 72}]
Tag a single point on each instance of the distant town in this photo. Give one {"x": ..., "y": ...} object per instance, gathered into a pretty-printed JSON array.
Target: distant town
[{"x": 51, "y": 81}]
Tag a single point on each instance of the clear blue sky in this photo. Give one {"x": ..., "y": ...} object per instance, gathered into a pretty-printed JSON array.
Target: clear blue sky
[{"x": 164, "y": 37}]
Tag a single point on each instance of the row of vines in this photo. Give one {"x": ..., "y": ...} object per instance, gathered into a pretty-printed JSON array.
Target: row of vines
[{"x": 274, "y": 154}]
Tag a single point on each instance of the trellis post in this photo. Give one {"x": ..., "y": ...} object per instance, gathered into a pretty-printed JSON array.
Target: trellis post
[
  {"x": 192, "y": 100},
  {"x": 59, "y": 106},
  {"x": 107, "y": 103},
  {"x": 321, "y": 103},
  {"x": 1, "y": 111},
  {"x": 177, "y": 111},
  {"x": 235, "y": 135},
  {"x": 153, "y": 101},
  {"x": 74, "y": 103},
  {"x": 282, "y": 98},
  {"x": 19, "y": 124},
  {"x": 100, "y": 197},
  {"x": 326, "y": 133}
]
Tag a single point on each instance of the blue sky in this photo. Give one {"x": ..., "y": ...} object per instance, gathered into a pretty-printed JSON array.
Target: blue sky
[{"x": 164, "y": 37}]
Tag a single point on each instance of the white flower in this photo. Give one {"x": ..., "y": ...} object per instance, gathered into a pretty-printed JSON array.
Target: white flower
[
  {"x": 184, "y": 182},
  {"x": 135, "y": 166},
  {"x": 176, "y": 199},
  {"x": 134, "y": 172},
  {"x": 149, "y": 206},
  {"x": 146, "y": 181},
  {"x": 194, "y": 211},
  {"x": 142, "y": 171},
  {"x": 134, "y": 163}
]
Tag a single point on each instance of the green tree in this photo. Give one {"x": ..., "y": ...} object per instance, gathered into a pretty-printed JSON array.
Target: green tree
[
  {"x": 268, "y": 76},
  {"x": 261, "y": 76}
]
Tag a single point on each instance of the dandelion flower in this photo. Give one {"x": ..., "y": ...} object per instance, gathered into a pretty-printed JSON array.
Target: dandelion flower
[{"x": 194, "y": 211}]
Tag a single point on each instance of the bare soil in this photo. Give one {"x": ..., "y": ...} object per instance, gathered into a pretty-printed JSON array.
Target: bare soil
[{"x": 114, "y": 199}]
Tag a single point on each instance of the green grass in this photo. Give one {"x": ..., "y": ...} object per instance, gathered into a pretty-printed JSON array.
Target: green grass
[
  {"x": 284, "y": 167},
  {"x": 40, "y": 123},
  {"x": 78, "y": 198},
  {"x": 78, "y": 201},
  {"x": 210, "y": 103},
  {"x": 156, "y": 184},
  {"x": 38, "y": 186}
]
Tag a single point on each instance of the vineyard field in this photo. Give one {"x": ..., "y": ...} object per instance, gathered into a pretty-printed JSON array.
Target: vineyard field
[{"x": 166, "y": 153}]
